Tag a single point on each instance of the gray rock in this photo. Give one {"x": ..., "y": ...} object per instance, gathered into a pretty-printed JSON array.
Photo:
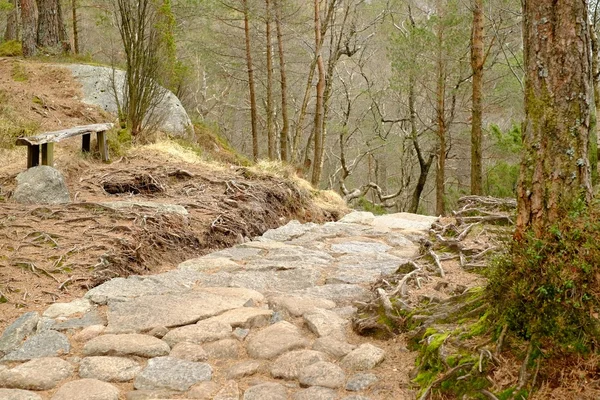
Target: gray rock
[
  {"x": 109, "y": 369},
  {"x": 340, "y": 293},
  {"x": 360, "y": 381},
  {"x": 67, "y": 309},
  {"x": 333, "y": 346},
  {"x": 275, "y": 318},
  {"x": 230, "y": 391},
  {"x": 242, "y": 293},
  {"x": 325, "y": 323},
  {"x": 16, "y": 332},
  {"x": 288, "y": 365},
  {"x": 93, "y": 389},
  {"x": 45, "y": 344},
  {"x": 88, "y": 333},
  {"x": 224, "y": 349},
  {"x": 356, "y": 397},
  {"x": 147, "y": 312},
  {"x": 97, "y": 87},
  {"x": 240, "y": 333},
  {"x": 188, "y": 351},
  {"x": 245, "y": 317},
  {"x": 296, "y": 306},
  {"x": 203, "y": 331},
  {"x": 41, "y": 185},
  {"x": 151, "y": 394},
  {"x": 275, "y": 340},
  {"x": 121, "y": 289},
  {"x": 158, "y": 208},
  {"x": 316, "y": 393},
  {"x": 18, "y": 394},
  {"x": 404, "y": 221},
  {"x": 365, "y": 357},
  {"x": 237, "y": 253},
  {"x": 159, "y": 332},
  {"x": 277, "y": 280},
  {"x": 37, "y": 374},
  {"x": 289, "y": 231},
  {"x": 124, "y": 345},
  {"x": 209, "y": 264},
  {"x": 358, "y": 217},
  {"x": 90, "y": 318},
  {"x": 172, "y": 373},
  {"x": 266, "y": 391},
  {"x": 323, "y": 374},
  {"x": 243, "y": 369},
  {"x": 354, "y": 246},
  {"x": 203, "y": 390}
]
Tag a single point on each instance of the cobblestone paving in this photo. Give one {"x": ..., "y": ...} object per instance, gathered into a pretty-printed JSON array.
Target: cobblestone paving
[{"x": 264, "y": 320}]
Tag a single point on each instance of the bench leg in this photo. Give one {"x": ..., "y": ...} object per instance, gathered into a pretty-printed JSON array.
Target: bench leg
[
  {"x": 102, "y": 146},
  {"x": 85, "y": 142},
  {"x": 48, "y": 154},
  {"x": 33, "y": 155}
]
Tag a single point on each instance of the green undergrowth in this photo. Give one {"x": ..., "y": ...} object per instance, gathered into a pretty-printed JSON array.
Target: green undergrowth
[
  {"x": 11, "y": 48},
  {"x": 12, "y": 125}
]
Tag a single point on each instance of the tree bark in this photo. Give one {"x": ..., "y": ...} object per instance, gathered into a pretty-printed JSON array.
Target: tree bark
[
  {"x": 12, "y": 23},
  {"x": 270, "y": 128},
  {"x": 555, "y": 169},
  {"x": 318, "y": 124},
  {"x": 283, "y": 136},
  {"x": 51, "y": 32},
  {"x": 251, "y": 85},
  {"x": 477, "y": 60},
  {"x": 29, "y": 23},
  {"x": 440, "y": 192},
  {"x": 75, "y": 27}
]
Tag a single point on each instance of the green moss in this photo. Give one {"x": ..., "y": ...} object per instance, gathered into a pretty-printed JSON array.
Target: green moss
[
  {"x": 11, "y": 48},
  {"x": 18, "y": 73}
]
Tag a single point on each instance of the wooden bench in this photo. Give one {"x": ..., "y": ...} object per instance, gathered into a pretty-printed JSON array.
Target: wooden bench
[{"x": 47, "y": 140}]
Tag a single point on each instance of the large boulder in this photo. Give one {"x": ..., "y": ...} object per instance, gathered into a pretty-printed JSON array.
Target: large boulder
[
  {"x": 97, "y": 86},
  {"x": 41, "y": 185}
]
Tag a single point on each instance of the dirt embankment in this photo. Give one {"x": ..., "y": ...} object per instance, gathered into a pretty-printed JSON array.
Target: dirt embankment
[{"x": 56, "y": 253}]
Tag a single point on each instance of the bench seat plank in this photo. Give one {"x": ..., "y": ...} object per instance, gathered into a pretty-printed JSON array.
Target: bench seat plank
[{"x": 57, "y": 136}]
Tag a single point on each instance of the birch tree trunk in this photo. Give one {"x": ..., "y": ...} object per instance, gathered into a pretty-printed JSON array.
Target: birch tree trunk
[
  {"x": 477, "y": 60},
  {"x": 318, "y": 124},
  {"x": 555, "y": 169}
]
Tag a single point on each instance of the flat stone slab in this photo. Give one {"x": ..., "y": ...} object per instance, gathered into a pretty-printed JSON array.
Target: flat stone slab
[
  {"x": 340, "y": 293},
  {"x": 289, "y": 231},
  {"x": 172, "y": 373},
  {"x": 275, "y": 340},
  {"x": 365, "y": 357},
  {"x": 16, "y": 332},
  {"x": 18, "y": 394},
  {"x": 123, "y": 345},
  {"x": 93, "y": 389},
  {"x": 332, "y": 346},
  {"x": 92, "y": 317},
  {"x": 288, "y": 365},
  {"x": 358, "y": 217},
  {"x": 122, "y": 289},
  {"x": 145, "y": 313},
  {"x": 404, "y": 221},
  {"x": 224, "y": 349},
  {"x": 296, "y": 306},
  {"x": 210, "y": 264},
  {"x": 360, "y": 381},
  {"x": 359, "y": 247},
  {"x": 266, "y": 391},
  {"x": 245, "y": 317},
  {"x": 67, "y": 309},
  {"x": 325, "y": 323},
  {"x": 316, "y": 393},
  {"x": 203, "y": 331},
  {"x": 46, "y": 344},
  {"x": 189, "y": 351},
  {"x": 245, "y": 368},
  {"x": 322, "y": 373},
  {"x": 109, "y": 369},
  {"x": 38, "y": 374}
]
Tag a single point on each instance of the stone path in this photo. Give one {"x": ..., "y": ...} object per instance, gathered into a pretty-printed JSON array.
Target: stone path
[{"x": 264, "y": 320}]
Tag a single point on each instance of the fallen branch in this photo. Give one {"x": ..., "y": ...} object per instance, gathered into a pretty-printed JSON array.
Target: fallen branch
[{"x": 436, "y": 260}]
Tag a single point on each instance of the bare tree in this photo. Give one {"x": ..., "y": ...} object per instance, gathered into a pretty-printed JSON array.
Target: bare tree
[
  {"x": 477, "y": 62},
  {"x": 12, "y": 22},
  {"x": 283, "y": 136},
  {"x": 251, "y": 84}
]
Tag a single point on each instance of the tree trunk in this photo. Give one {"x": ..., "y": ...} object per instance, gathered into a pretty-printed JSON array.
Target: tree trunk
[
  {"x": 555, "y": 169},
  {"x": 12, "y": 23},
  {"x": 51, "y": 33},
  {"x": 75, "y": 27},
  {"x": 440, "y": 192},
  {"x": 270, "y": 128},
  {"x": 318, "y": 125},
  {"x": 251, "y": 85},
  {"x": 593, "y": 150},
  {"x": 29, "y": 23},
  {"x": 283, "y": 136},
  {"x": 477, "y": 60}
]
